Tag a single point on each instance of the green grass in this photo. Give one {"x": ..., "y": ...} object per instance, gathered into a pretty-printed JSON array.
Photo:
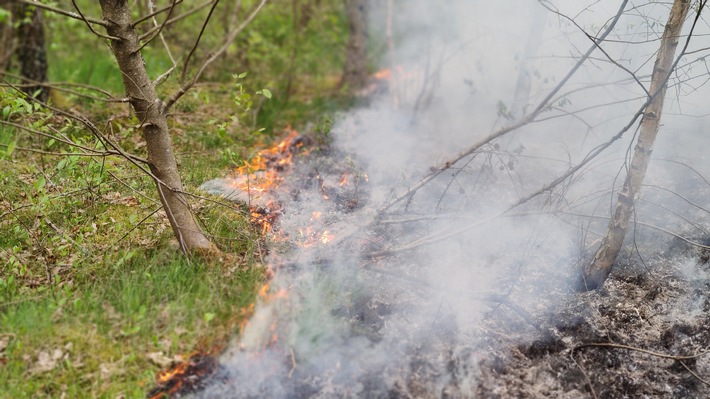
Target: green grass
[
  {"x": 95, "y": 296},
  {"x": 153, "y": 302},
  {"x": 83, "y": 278}
]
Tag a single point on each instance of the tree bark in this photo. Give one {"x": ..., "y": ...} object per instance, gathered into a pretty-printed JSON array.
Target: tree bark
[
  {"x": 7, "y": 37},
  {"x": 151, "y": 113},
  {"x": 598, "y": 270},
  {"x": 31, "y": 50},
  {"x": 355, "y": 71}
]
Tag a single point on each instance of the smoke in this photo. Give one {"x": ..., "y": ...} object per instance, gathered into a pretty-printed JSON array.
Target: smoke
[{"x": 407, "y": 322}]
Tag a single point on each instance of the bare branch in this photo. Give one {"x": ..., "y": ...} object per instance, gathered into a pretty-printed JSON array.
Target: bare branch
[
  {"x": 160, "y": 29},
  {"x": 178, "y": 18},
  {"x": 156, "y": 12},
  {"x": 598, "y": 45},
  {"x": 230, "y": 38},
  {"x": 197, "y": 41},
  {"x": 58, "y": 86},
  {"x": 503, "y": 131},
  {"x": 91, "y": 28},
  {"x": 63, "y": 12}
]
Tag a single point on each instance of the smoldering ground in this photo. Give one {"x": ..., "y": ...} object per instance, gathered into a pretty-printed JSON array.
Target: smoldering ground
[{"x": 420, "y": 292}]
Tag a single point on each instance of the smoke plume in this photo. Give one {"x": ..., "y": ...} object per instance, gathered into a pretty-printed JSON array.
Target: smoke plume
[{"x": 395, "y": 303}]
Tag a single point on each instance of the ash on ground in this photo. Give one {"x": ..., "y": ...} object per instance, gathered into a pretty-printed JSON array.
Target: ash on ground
[
  {"x": 655, "y": 302},
  {"x": 482, "y": 314}
]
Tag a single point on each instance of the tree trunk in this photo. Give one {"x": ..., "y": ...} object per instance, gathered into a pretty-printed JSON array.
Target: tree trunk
[
  {"x": 31, "y": 50},
  {"x": 152, "y": 116},
  {"x": 7, "y": 37},
  {"x": 598, "y": 270},
  {"x": 355, "y": 71},
  {"x": 524, "y": 82}
]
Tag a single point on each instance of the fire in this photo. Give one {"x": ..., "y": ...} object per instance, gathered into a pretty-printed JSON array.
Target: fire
[
  {"x": 264, "y": 172},
  {"x": 398, "y": 72},
  {"x": 186, "y": 376},
  {"x": 326, "y": 237},
  {"x": 343, "y": 179},
  {"x": 267, "y": 296},
  {"x": 383, "y": 74}
]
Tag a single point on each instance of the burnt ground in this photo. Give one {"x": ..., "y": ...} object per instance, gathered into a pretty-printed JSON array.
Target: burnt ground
[
  {"x": 625, "y": 340},
  {"x": 642, "y": 335}
]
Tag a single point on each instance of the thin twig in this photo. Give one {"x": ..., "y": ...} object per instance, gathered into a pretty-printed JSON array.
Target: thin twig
[
  {"x": 159, "y": 31},
  {"x": 156, "y": 12},
  {"x": 503, "y": 131},
  {"x": 63, "y": 12},
  {"x": 633, "y": 348},
  {"x": 586, "y": 376},
  {"x": 230, "y": 38},
  {"x": 197, "y": 41},
  {"x": 693, "y": 373},
  {"x": 139, "y": 223},
  {"x": 651, "y": 226},
  {"x": 597, "y": 44},
  {"x": 91, "y": 28},
  {"x": 178, "y": 18}
]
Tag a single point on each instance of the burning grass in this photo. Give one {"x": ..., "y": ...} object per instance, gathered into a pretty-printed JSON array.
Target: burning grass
[{"x": 185, "y": 377}]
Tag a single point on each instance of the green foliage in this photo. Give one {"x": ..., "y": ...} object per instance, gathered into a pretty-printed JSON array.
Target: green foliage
[
  {"x": 4, "y": 16},
  {"x": 17, "y": 110},
  {"x": 244, "y": 99}
]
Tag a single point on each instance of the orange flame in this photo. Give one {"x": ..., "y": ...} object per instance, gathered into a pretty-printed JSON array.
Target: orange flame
[
  {"x": 185, "y": 376},
  {"x": 264, "y": 172},
  {"x": 326, "y": 237},
  {"x": 343, "y": 180},
  {"x": 383, "y": 74}
]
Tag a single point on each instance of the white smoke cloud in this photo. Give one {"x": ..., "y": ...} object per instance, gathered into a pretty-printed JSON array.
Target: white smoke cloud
[{"x": 357, "y": 327}]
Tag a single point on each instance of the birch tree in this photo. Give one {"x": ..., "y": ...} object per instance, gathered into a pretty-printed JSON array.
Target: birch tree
[{"x": 598, "y": 270}]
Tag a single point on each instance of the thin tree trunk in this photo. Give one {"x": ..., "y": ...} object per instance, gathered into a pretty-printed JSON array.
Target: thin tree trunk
[
  {"x": 598, "y": 270},
  {"x": 152, "y": 116},
  {"x": 391, "y": 57},
  {"x": 7, "y": 37},
  {"x": 31, "y": 50},
  {"x": 355, "y": 71},
  {"x": 524, "y": 82}
]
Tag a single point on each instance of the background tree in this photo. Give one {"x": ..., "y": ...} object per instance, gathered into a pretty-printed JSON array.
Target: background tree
[
  {"x": 7, "y": 40},
  {"x": 32, "y": 50},
  {"x": 355, "y": 72}
]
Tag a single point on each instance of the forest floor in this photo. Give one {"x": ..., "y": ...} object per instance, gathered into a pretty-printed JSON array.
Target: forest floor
[{"x": 95, "y": 296}]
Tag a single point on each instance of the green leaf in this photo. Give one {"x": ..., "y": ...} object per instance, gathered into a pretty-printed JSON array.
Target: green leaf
[
  {"x": 242, "y": 75},
  {"x": 10, "y": 147},
  {"x": 266, "y": 93},
  {"x": 208, "y": 317},
  {"x": 6, "y": 112},
  {"x": 4, "y": 15},
  {"x": 131, "y": 331},
  {"x": 40, "y": 183}
]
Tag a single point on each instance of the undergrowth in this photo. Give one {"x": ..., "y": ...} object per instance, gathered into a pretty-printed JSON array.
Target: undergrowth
[{"x": 95, "y": 295}]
